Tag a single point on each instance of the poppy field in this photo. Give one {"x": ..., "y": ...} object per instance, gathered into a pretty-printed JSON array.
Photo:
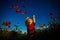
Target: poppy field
[{"x": 29, "y": 19}]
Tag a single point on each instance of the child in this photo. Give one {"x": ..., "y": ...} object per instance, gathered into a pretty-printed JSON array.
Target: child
[{"x": 30, "y": 23}]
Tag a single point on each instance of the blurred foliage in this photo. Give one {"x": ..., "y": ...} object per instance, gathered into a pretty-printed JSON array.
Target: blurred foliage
[{"x": 40, "y": 34}]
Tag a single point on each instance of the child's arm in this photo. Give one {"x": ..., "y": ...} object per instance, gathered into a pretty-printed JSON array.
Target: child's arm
[
  {"x": 34, "y": 18},
  {"x": 26, "y": 21}
]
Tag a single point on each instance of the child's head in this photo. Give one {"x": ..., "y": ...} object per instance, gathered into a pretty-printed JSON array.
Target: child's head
[{"x": 29, "y": 21}]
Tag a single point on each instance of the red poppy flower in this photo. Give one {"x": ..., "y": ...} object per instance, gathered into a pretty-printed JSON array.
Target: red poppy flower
[
  {"x": 14, "y": 6},
  {"x": 51, "y": 13},
  {"x": 23, "y": 12},
  {"x": 23, "y": 2},
  {"x": 7, "y": 23},
  {"x": 18, "y": 10}
]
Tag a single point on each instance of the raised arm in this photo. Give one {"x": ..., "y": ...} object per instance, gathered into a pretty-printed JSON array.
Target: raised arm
[
  {"x": 34, "y": 18},
  {"x": 26, "y": 20}
]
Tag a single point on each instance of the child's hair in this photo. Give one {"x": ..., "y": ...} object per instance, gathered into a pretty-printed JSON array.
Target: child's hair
[{"x": 28, "y": 21}]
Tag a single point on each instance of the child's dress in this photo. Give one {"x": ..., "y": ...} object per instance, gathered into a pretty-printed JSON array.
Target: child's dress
[{"x": 31, "y": 31}]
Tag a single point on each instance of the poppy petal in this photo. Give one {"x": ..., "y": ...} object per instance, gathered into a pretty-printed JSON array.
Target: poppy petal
[{"x": 18, "y": 10}]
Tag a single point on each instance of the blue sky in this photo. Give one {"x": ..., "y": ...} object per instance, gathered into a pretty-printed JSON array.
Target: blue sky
[{"x": 40, "y": 8}]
